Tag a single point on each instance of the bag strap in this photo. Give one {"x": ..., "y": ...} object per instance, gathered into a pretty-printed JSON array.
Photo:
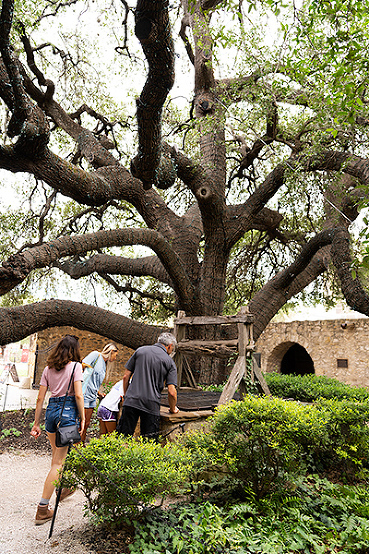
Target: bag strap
[{"x": 65, "y": 397}]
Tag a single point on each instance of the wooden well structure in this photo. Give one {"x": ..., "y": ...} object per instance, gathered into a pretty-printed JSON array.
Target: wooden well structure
[{"x": 244, "y": 345}]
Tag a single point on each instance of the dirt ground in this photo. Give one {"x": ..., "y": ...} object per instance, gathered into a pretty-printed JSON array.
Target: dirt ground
[
  {"x": 15, "y": 427},
  {"x": 24, "y": 463}
]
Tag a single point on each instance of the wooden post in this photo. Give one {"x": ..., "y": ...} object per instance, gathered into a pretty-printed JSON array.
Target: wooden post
[
  {"x": 179, "y": 333},
  {"x": 239, "y": 369},
  {"x": 259, "y": 376},
  {"x": 237, "y": 377},
  {"x": 234, "y": 380},
  {"x": 242, "y": 334}
]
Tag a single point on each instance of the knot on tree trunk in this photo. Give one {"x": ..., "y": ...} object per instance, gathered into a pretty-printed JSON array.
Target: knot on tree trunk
[
  {"x": 163, "y": 177},
  {"x": 144, "y": 28}
]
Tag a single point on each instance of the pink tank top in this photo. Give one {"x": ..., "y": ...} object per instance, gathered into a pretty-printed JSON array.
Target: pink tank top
[{"x": 57, "y": 381}]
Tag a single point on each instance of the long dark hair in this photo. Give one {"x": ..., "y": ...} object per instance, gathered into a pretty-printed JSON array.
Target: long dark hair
[{"x": 67, "y": 350}]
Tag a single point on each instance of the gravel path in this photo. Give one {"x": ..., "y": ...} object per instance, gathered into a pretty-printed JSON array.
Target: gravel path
[{"x": 21, "y": 479}]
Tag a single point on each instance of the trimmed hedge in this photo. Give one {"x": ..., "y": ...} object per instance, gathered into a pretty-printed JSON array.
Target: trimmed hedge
[{"x": 308, "y": 388}]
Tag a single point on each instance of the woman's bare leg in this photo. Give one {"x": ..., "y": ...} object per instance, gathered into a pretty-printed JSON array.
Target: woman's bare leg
[
  {"x": 103, "y": 429},
  {"x": 57, "y": 460},
  {"x": 88, "y": 415},
  {"x": 110, "y": 426}
]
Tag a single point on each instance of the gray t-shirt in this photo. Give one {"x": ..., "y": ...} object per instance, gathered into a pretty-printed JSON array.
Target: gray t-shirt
[{"x": 151, "y": 368}]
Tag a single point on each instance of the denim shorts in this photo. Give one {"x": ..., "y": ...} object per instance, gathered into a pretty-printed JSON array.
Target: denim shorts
[
  {"x": 90, "y": 403},
  {"x": 106, "y": 415},
  {"x": 53, "y": 411}
]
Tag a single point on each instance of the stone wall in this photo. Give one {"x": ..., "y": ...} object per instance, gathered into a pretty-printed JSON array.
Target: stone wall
[
  {"x": 46, "y": 340},
  {"x": 338, "y": 348}
]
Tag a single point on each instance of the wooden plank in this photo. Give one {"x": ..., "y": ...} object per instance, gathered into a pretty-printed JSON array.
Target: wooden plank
[
  {"x": 208, "y": 350},
  {"x": 190, "y": 378},
  {"x": 259, "y": 376},
  {"x": 179, "y": 333},
  {"x": 237, "y": 373},
  {"x": 215, "y": 320},
  {"x": 242, "y": 339},
  {"x": 187, "y": 343}
]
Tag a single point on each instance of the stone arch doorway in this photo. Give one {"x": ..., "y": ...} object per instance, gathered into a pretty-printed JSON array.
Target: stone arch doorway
[
  {"x": 297, "y": 361},
  {"x": 291, "y": 358}
]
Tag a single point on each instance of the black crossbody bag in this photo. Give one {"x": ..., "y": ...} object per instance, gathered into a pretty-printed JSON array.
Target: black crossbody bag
[{"x": 70, "y": 433}]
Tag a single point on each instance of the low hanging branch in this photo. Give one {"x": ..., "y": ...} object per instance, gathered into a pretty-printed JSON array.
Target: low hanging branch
[
  {"x": 148, "y": 266},
  {"x": 22, "y": 321}
]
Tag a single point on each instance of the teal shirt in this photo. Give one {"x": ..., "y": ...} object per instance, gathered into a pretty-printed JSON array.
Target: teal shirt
[{"x": 91, "y": 385}]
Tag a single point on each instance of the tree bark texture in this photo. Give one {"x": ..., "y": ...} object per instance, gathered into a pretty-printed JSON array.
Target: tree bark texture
[{"x": 22, "y": 321}]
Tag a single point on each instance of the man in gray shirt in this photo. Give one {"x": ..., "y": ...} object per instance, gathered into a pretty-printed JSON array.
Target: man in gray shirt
[{"x": 147, "y": 371}]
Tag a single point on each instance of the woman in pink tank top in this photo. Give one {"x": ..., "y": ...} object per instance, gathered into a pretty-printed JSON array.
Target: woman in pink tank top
[{"x": 64, "y": 360}]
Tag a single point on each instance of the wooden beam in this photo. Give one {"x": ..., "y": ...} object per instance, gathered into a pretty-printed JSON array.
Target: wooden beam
[
  {"x": 179, "y": 333},
  {"x": 259, "y": 377},
  {"x": 208, "y": 348},
  {"x": 237, "y": 373},
  {"x": 215, "y": 320}
]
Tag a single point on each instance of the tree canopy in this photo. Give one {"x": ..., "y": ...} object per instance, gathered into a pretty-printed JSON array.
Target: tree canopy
[{"x": 239, "y": 171}]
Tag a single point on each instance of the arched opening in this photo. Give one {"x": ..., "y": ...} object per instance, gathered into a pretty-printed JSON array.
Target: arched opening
[{"x": 297, "y": 361}]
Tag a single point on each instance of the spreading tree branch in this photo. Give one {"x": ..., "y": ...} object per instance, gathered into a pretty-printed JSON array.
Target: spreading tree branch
[
  {"x": 28, "y": 122},
  {"x": 355, "y": 295},
  {"x": 141, "y": 294},
  {"x": 18, "y": 267},
  {"x": 148, "y": 266}
]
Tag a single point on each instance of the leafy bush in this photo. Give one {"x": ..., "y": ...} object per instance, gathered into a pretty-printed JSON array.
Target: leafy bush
[
  {"x": 312, "y": 516},
  {"x": 251, "y": 440},
  {"x": 120, "y": 475},
  {"x": 308, "y": 388},
  {"x": 262, "y": 439},
  {"x": 348, "y": 431}
]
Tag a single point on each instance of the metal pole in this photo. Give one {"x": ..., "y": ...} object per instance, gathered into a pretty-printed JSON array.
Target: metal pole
[
  {"x": 7, "y": 383},
  {"x": 58, "y": 496}
]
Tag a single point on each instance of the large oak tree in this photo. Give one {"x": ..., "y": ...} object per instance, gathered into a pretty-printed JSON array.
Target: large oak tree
[{"x": 248, "y": 199}]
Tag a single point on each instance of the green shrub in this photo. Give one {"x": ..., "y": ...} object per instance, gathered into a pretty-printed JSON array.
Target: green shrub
[
  {"x": 121, "y": 475},
  {"x": 348, "y": 430},
  {"x": 308, "y": 388},
  {"x": 261, "y": 440}
]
